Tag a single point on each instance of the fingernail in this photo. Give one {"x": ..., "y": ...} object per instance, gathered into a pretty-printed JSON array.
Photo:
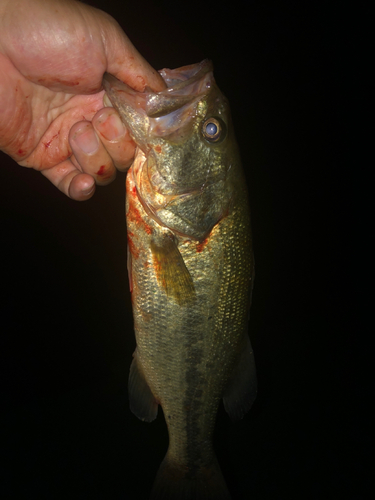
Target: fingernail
[
  {"x": 88, "y": 190},
  {"x": 86, "y": 139},
  {"x": 111, "y": 127}
]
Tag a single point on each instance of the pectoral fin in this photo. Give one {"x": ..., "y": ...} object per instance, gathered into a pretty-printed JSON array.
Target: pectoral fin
[
  {"x": 171, "y": 271},
  {"x": 241, "y": 388},
  {"x": 142, "y": 402}
]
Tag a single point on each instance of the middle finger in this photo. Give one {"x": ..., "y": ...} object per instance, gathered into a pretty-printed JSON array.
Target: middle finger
[
  {"x": 91, "y": 154},
  {"x": 115, "y": 137}
]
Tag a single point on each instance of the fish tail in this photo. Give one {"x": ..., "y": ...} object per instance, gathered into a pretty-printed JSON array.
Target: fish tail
[{"x": 176, "y": 482}]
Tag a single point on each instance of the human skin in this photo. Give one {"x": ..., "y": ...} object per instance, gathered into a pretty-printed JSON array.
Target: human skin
[{"x": 53, "y": 54}]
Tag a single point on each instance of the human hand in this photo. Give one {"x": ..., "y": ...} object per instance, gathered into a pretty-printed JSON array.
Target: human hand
[{"x": 53, "y": 54}]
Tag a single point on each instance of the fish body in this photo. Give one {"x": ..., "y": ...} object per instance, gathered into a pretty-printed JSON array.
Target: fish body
[{"x": 190, "y": 267}]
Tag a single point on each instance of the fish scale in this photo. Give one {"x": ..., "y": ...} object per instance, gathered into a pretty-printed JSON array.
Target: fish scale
[{"x": 190, "y": 287}]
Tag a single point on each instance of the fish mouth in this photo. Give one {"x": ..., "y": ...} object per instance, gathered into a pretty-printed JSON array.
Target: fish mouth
[{"x": 149, "y": 115}]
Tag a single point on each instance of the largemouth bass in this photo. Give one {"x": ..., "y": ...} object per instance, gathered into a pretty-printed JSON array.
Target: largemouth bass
[{"x": 190, "y": 267}]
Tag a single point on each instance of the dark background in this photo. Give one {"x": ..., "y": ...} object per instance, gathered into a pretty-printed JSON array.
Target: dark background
[{"x": 67, "y": 338}]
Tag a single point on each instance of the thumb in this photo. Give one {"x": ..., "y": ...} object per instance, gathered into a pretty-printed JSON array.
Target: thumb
[{"x": 126, "y": 63}]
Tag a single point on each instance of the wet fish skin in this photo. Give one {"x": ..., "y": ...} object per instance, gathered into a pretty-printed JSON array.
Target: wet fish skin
[{"x": 191, "y": 273}]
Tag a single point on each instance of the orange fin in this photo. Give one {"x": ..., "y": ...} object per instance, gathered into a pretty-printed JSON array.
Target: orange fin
[
  {"x": 241, "y": 389},
  {"x": 171, "y": 271},
  {"x": 142, "y": 402},
  {"x": 176, "y": 482}
]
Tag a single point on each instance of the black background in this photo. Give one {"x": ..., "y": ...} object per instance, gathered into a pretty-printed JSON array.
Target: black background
[{"x": 67, "y": 338}]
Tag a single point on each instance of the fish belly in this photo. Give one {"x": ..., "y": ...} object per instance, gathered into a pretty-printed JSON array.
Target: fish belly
[{"x": 186, "y": 352}]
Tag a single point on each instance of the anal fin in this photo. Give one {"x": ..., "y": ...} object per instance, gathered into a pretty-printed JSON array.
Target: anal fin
[
  {"x": 241, "y": 389},
  {"x": 142, "y": 401}
]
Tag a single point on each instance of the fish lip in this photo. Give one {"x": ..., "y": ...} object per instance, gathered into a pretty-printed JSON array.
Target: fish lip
[
  {"x": 156, "y": 114},
  {"x": 178, "y": 82},
  {"x": 113, "y": 86},
  {"x": 184, "y": 86},
  {"x": 178, "y": 79}
]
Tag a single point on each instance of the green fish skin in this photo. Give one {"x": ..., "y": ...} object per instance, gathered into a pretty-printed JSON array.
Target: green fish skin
[{"x": 191, "y": 271}]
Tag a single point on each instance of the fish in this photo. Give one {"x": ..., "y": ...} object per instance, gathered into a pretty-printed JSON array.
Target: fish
[{"x": 191, "y": 271}]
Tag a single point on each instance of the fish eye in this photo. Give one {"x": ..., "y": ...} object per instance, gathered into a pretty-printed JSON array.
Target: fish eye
[{"x": 212, "y": 129}]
